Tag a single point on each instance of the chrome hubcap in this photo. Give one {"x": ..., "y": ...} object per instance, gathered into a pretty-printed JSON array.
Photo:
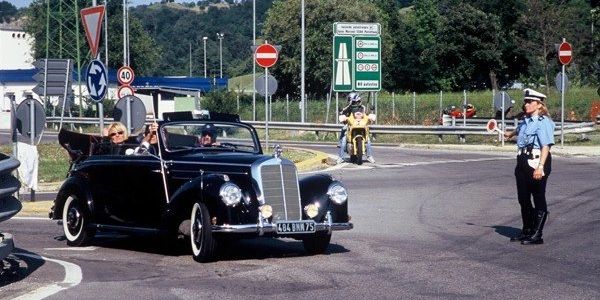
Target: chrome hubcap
[{"x": 73, "y": 219}]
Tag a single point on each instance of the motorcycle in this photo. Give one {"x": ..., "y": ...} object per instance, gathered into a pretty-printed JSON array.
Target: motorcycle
[{"x": 357, "y": 135}]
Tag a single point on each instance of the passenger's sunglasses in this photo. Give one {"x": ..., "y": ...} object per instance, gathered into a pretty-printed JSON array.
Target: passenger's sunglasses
[{"x": 115, "y": 133}]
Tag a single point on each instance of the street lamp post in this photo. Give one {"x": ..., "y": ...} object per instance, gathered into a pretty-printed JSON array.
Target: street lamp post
[
  {"x": 220, "y": 37},
  {"x": 204, "y": 40}
]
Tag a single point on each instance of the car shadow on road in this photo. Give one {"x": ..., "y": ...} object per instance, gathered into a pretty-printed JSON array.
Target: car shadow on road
[
  {"x": 15, "y": 268},
  {"x": 263, "y": 248},
  {"x": 257, "y": 248}
]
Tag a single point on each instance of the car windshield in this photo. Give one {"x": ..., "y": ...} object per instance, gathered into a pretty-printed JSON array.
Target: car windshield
[{"x": 209, "y": 136}]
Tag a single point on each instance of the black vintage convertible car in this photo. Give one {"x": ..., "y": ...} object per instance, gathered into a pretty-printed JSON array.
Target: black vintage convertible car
[{"x": 209, "y": 193}]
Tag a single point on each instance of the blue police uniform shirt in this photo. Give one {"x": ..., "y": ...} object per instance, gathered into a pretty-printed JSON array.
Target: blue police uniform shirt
[{"x": 536, "y": 130}]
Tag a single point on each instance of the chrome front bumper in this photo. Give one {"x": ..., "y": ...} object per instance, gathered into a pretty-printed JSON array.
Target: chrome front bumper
[{"x": 264, "y": 226}]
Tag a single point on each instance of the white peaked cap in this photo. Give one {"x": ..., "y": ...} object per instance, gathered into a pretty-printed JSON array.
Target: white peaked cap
[{"x": 533, "y": 95}]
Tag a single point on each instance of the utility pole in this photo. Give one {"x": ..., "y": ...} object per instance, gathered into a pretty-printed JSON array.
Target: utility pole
[
  {"x": 204, "y": 40},
  {"x": 253, "y": 62},
  {"x": 220, "y": 37},
  {"x": 190, "y": 59},
  {"x": 302, "y": 83}
]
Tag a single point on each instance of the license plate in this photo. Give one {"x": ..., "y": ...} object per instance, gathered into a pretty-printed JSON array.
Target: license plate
[{"x": 296, "y": 227}]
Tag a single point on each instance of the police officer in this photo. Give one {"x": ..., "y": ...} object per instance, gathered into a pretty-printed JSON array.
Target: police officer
[{"x": 535, "y": 136}]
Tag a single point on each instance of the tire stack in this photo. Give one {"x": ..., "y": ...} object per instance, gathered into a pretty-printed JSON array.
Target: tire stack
[{"x": 9, "y": 205}]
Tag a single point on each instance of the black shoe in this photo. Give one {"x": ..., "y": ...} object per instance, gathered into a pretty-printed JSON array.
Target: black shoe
[
  {"x": 536, "y": 237},
  {"x": 525, "y": 233}
]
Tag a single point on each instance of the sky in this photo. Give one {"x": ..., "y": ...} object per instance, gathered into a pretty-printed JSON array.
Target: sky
[{"x": 24, "y": 3}]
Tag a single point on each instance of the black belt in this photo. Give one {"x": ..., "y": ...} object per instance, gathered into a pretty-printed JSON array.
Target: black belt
[{"x": 528, "y": 152}]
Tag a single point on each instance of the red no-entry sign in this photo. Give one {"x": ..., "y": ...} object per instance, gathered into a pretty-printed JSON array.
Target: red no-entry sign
[
  {"x": 266, "y": 55},
  {"x": 565, "y": 53}
]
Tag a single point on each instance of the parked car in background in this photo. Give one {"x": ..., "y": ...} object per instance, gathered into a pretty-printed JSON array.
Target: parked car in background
[{"x": 204, "y": 191}]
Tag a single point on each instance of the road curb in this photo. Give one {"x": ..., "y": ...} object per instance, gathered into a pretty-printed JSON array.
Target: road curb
[
  {"x": 35, "y": 209},
  {"x": 312, "y": 163}
]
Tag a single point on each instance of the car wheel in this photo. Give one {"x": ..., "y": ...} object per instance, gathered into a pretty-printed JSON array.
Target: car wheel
[
  {"x": 317, "y": 244},
  {"x": 76, "y": 220},
  {"x": 201, "y": 237}
]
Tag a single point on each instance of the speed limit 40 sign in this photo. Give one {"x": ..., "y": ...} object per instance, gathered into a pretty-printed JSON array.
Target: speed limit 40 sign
[{"x": 125, "y": 75}]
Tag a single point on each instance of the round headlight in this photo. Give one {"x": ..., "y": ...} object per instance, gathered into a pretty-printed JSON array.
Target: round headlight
[
  {"x": 337, "y": 193},
  {"x": 312, "y": 210},
  {"x": 230, "y": 193},
  {"x": 266, "y": 211}
]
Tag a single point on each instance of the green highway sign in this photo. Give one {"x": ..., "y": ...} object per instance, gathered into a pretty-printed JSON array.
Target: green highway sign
[
  {"x": 367, "y": 63},
  {"x": 343, "y": 71},
  {"x": 356, "y": 57}
]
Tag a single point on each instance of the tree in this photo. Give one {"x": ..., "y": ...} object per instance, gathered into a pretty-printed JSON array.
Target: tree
[
  {"x": 468, "y": 48},
  {"x": 7, "y": 12},
  {"x": 144, "y": 53},
  {"x": 542, "y": 25},
  {"x": 282, "y": 26},
  {"x": 415, "y": 64}
]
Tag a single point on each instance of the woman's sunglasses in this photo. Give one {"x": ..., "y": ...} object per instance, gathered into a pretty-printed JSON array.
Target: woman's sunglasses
[
  {"x": 527, "y": 101},
  {"x": 115, "y": 133}
]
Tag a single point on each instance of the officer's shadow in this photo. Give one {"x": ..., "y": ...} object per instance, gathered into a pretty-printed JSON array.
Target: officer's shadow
[{"x": 506, "y": 231}]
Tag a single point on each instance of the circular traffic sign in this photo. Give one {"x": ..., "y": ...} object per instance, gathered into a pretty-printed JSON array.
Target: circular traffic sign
[
  {"x": 266, "y": 55},
  {"x": 97, "y": 80},
  {"x": 271, "y": 85},
  {"x": 136, "y": 111},
  {"x": 565, "y": 53},
  {"x": 23, "y": 116},
  {"x": 125, "y": 75},
  {"x": 125, "y": 90},
  {"x": 558, "y": 81},
  {"x": 500, "y": 101}
]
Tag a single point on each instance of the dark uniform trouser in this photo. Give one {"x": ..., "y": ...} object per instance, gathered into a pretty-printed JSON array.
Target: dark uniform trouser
[{"x": 527, "y": 187}]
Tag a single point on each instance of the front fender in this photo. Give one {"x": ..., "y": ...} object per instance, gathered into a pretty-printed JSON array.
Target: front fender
[
  {"x": 204, "y": 188},
  {"x": 73, "y": 184},
  {"x": 313, "y": 190}
]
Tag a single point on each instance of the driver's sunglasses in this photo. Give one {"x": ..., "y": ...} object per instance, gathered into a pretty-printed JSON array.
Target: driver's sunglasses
[
  {"x": 115, "y": 133},
  {"x": 206, "y": 133}
]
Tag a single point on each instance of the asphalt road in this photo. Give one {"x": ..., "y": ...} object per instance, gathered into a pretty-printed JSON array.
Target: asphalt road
[{"x": 427, "y": 225}]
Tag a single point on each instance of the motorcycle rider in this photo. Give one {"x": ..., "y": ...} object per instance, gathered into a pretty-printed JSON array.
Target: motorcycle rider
[{"x": 354, "y": 105}]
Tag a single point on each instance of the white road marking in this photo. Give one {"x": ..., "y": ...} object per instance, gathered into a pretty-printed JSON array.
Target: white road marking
[
  {"x": 434, "y": 162},
  {"x": 88, "y": 248},
  {"x": 73, "y": 277},
  {"x": 32, "y": 218}
]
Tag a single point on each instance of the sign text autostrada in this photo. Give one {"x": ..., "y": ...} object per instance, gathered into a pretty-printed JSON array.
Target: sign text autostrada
[{"x": 356, "y": 57}]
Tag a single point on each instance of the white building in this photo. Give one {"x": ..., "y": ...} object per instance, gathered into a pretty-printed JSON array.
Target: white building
[{"x": 15, "y": 47}]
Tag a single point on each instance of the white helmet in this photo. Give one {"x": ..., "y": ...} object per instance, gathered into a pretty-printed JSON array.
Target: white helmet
[{"x": 354, "y": 97}]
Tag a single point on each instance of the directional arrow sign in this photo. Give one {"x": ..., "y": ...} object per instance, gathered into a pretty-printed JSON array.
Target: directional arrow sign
[
  {"x": 55, "y": 75},
  {"x": 97, "y": 80},
  {"x": 52, "y": 91},
  {"x": 92, "y": 22}
]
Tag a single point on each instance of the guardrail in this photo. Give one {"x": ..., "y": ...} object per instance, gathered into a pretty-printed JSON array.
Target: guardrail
[{"x": 474, "y": 127}]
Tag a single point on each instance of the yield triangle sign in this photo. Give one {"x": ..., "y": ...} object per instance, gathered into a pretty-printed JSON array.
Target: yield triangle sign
[{"x": 92, "y": 22}]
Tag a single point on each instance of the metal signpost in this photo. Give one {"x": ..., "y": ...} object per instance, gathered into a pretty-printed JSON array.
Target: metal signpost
[
  {"x": 356, "y": 58},
  {"x": 30, "y": 122},
  {"x": 54, "y": 79},
  {"x": 266, "y": 56},
  {"x": 565, "y": 55},
  {"x": 125, "y": 76},
  {"x": 92, "y": 18}
]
